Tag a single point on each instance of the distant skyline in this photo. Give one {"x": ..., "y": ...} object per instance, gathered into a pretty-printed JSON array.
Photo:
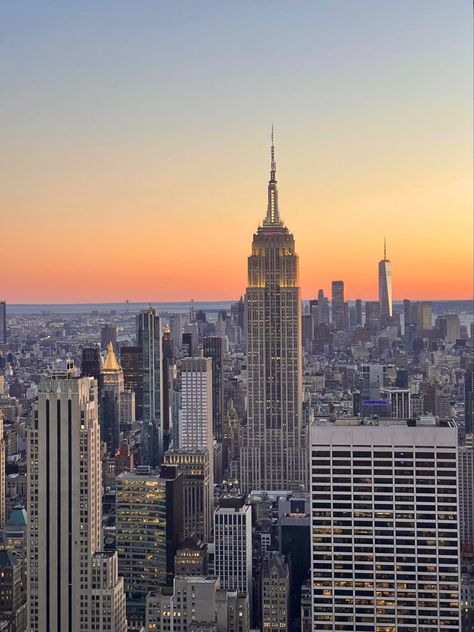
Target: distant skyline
[{"x": 135, "y": 146}]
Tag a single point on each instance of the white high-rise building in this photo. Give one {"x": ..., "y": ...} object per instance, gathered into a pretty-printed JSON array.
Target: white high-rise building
[
  {"x": 385, "y": 527},
  {"x": 64, "y": 507},
  {"x": 385, "y": 289},
  {"x": 273, "y": 454},
  {"x": 233, "y": 544},
  {"x": 195, "y": 456},
  {"x": 195, "y": 423}
]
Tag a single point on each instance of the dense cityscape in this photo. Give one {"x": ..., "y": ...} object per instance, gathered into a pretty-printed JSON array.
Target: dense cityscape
[{"x": 266, "y": 464}]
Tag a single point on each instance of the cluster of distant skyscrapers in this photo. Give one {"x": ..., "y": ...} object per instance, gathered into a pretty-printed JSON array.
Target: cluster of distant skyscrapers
[{"x": 378, "y": 493}]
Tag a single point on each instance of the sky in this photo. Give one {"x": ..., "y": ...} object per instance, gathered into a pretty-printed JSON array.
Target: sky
[{"x": 134, "y": 145}]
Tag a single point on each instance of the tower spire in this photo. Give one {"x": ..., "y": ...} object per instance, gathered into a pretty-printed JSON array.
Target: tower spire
[
  {"x": 273, "y": 213},
  {"x": 385, "y": 249},
  {"x": 273, "y": 163}
]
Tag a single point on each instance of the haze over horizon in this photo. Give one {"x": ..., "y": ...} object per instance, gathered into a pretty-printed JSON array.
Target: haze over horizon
[{"x": 135, "y": 151}]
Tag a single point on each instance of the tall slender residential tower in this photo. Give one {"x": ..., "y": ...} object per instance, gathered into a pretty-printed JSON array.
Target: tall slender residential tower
[
  {"x": 150, "y": 343},
  {"x": 273, "y": 455},
  {"x": 3, "y": 322},
  {"x": 385, "y": 288}
]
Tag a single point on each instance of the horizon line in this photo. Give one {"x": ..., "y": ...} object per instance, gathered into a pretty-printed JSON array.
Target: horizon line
[{"x": 229, "y": 300}]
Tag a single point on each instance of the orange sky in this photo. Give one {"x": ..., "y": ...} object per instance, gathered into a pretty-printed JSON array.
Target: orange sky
[{"x": 139, "y": 171}]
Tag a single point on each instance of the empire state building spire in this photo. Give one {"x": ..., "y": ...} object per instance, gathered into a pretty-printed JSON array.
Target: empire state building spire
[{"x": 273, "y": 213}]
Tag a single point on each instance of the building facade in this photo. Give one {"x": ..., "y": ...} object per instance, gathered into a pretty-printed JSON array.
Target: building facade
[
  {"x": 131, "y": 359},
  {"x": 195, "y": 423},
  {"x": 214, "y": 348},
  {"x": 466, "y": 498},
  {"x": 108, "y": 613},
  {"x": 150, "y": 341},
  {"x": 3, "y": 322},
  {"x": 197, "y": 497},
  {"x": 233, "y": 544},
  {"x": 111, "y": 391},
  {"x": 272, "y": 454},
  {"x": 338, "y": 305},
  {"x": 385, "y": 539},
  {"x": 64, "y": 504},
  {"x": 148, "y": 527},
  {"x": 385, "y": 289},
  {"x": 275, "y": 579},
  {"x": 2, "y": 474}
]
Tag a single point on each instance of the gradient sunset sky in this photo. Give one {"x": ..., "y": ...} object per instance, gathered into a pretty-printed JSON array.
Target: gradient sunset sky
[{"x": 135, "y": 145}]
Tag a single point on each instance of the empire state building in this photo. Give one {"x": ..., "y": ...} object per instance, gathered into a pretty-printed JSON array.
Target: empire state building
[{"x": 273, "y": 453}]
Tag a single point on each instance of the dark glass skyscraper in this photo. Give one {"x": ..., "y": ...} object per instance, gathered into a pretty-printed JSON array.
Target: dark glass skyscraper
[
  {"x": 214, "y": 349},
  {"x": 338, "y": 305},
  {"x": 108, "y": 334},
  {"x": 90, "y": 362},
  {"x": 149, "y": 341},
  {"x": 131, "y": 359}
]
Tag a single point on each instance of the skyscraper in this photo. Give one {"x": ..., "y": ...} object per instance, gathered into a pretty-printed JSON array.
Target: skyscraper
[
  {"x": 338, "y": 305},
  {"x": 406, "y": 315},
  {"x": 64, "y": 507},
  {"x": 385, "y": 288},
  {"x": 2, "y": 473},
  {"x": 323, "y": 304},
  {"x": 149, "y": 340},
  {"x": 197, "y": 497},
  {"x": 131, "y": 359},
  {"x": 195, "y": 424},
  {"x": 112, "y": 388},
  {"x": 466, "y": 500},
  {"x": 390, "y": 560},
  {"x": 108, "y": 334},
  {"x": 214, "y": 348},
  {"x": 372, "y": 316},
  {"x": 90, "y": 362},
  {"x": 169, "y": 374},
  {"x": 3, "y": 322},
  {"x": 469, "y": 398},
  {"x": 275, "y": 593},
  {"x": 149, "y": 527},
  {"x": 233, "y": 544},
  {"x": 358, "y": 309},
  {"x": 272, "y": 454}
]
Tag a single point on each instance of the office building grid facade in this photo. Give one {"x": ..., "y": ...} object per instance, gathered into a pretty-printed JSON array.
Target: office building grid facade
[
  {"x": 385, "y": 536},
  {"x": 233, "y": 545}
]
